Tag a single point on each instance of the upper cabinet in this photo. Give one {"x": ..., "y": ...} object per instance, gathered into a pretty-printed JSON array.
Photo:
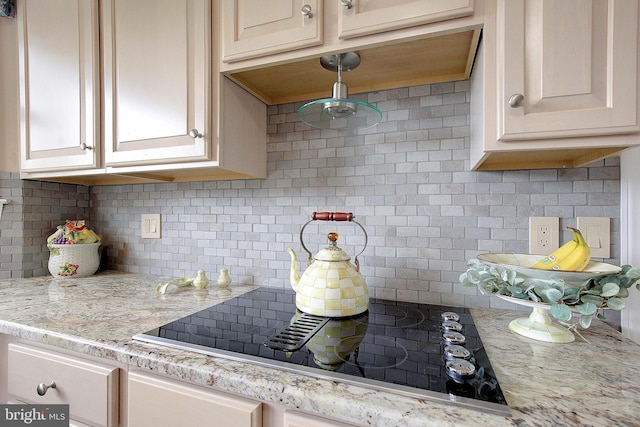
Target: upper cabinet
[
  {"x": 253, "y": 28},
  {"x": 272, "y": 47},
  {"x": 364, "y": 17},
  {"x": 157, "y": 73},
  {"x": 569, "y": 67},
  {"x": 555, "y": 84},
  {"x": 59, "y": 84},
  {"x": 167, "y": 112}
]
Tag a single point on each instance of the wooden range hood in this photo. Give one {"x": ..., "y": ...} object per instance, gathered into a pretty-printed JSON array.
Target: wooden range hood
[{"x": 437, "y": 59}]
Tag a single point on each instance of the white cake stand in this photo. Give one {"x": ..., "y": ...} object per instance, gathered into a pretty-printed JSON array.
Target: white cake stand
[{"x": 538, "y": 325}]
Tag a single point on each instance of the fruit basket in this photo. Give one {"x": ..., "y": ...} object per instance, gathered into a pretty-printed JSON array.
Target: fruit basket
[
  {"x": 553, "y": 294},
  {"x": 521, "y": 264},
  {"x": 73, "y": 250},
  {"x": 563, "y": 283}
]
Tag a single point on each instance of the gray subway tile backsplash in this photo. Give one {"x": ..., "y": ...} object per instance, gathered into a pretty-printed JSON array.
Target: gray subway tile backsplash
[{"x": 407, "y": 181}]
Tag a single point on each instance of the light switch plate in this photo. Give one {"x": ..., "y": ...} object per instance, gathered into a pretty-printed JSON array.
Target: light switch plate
[
  {"x": 597, "y": 232},
  {"x": 544, "y": 234},
  {"x": 150, "y": 226}
]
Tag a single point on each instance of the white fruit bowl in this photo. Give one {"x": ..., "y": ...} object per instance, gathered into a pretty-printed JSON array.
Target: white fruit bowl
[{"x": 521, "y": 264}]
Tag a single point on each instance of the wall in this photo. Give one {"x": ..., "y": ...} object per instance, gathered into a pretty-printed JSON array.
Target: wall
[
  {"x": 407, "y": 182},
  {"x": 630, "y": 235},
  {"x": 34, "y": 210},
  {"x": 9, "y": 156}
]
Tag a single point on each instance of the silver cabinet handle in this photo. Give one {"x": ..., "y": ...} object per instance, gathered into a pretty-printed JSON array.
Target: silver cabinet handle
[
  {"x": 85, "y": 147},
  {"x": 42, "y": 388},
  {"x": 193, "y": 133},
  {"x": 516, "y": 100},
  {"x": 306, "y": 11},
  {"x": 347, "y": 3}
]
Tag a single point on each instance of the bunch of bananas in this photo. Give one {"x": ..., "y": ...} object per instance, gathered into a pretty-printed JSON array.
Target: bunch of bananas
[{"x": 572, "y": 256}]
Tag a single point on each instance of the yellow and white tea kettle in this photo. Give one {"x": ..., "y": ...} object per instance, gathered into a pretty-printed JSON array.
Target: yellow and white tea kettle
[{"x": 330, "y": 286}]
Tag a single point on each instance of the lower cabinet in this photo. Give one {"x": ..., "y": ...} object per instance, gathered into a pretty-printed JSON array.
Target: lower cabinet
[
  {"x": 41, "y": 376},
  {"x": 100, "y": 394},
  {"x": 299, "y": 419},
  {"x": 157, "y": 401}
]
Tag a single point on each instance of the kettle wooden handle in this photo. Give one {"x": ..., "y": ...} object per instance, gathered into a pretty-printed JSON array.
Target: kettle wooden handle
[{"x": 332, "y": 216}]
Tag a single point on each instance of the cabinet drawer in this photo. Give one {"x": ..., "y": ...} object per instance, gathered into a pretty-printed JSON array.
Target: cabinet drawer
[
  {"x": 298, "y": 419},
  {"x": 89, "y": 388},
  {"x": 156, "y": 401}
]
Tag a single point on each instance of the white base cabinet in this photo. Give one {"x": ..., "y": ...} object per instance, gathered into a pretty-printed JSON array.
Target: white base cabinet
[
  {"x": 299, "y": 419},
  {"x": 91, "y": 389},
  {"x": 116, "y": 395},
  {"x": 156, "y": 401}
]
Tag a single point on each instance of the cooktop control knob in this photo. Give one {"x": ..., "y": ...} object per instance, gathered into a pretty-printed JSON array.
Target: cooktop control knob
[
  {"x": 450, "y": 315},
  {"x": 450, "y": 325},
  {"x": 456, "y": 352},
  {"x": 460, "y": 370},
  {"x": 449, "y": 338}
]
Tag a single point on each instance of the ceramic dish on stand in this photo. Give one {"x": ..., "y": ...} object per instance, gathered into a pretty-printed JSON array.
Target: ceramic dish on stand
[
  {"x": 538, "y": 325},
  {"x": 521, "y": 264}
]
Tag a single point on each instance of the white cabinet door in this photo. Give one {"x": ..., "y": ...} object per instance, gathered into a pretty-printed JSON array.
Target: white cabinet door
[
  {"x": 59, "y": 84},
  {"x": 363, "y": 17},
  {"x": 158, "y": 402},
  {"x": 89, "y": 388},
  {"x": 298, "y": 419},
  {"x": 574, "y": 63},
  {"x": 253, "y": 28},
  {"x": 157, "y": 59}
]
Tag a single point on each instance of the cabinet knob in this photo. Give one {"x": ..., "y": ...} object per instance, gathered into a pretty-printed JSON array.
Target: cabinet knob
[
  {"x": 193, "y": 133},
  {"x": 306, "y": 11},
  {"x": 347, "y": 3},
  {"x": 42, "y": 388},
  {"x": 516, "y": 100},
  {"x": 85, "y": 147}
]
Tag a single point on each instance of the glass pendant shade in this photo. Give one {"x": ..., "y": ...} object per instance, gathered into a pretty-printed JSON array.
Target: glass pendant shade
[{"x": 339, "y": 112}]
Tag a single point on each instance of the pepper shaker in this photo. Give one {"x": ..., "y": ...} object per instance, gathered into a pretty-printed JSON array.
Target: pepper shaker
[{"x": 224, "y": 279}]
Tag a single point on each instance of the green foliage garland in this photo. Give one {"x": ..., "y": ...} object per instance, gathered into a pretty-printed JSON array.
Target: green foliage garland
[{"x": 587, "y": 299}]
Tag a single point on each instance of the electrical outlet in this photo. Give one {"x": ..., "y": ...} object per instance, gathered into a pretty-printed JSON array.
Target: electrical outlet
[
  {"x": 150, "y": 226},
  {"x": 597, "y": 233},
  {"x": 544, "y": 234}
]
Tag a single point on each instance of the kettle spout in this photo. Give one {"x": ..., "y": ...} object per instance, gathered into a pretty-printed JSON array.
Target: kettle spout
[{"x": 294, "y": 277}]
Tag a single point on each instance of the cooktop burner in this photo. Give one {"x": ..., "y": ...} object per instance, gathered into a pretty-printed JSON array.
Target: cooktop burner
[{"x": 396, "y": 346}]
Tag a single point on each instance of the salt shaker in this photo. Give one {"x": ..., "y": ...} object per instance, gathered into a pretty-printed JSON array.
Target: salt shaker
[
  {"x": 224, "y": 279},
  {"x": 201, "y": 281}
]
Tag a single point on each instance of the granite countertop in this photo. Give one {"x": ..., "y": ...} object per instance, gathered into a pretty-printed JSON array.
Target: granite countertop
[{"x": 593, "y": 383}]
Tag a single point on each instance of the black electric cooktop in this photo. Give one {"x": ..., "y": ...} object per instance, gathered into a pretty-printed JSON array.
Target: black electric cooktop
[{"x": 407, "y": 348}]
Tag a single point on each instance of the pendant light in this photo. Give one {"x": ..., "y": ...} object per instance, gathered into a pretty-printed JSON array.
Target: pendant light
[{"x": 339, "y": 112}]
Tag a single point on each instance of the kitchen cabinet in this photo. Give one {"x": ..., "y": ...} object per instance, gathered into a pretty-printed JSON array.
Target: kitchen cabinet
[
  {"x": 157, "y": 74},
  {"x": 258, "y": 28},
  {"x": 59, "y": 84},
  {"x": 90, "y": 388},
  {"x": 361, "y": 17},
  {"x": 298, "y": 419},
  {"x": 272, "y": 48},
  {"x": 555, "y": 84},
  {"x": 158, "y": 401},
  {"x": 168, "y": 115}
]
